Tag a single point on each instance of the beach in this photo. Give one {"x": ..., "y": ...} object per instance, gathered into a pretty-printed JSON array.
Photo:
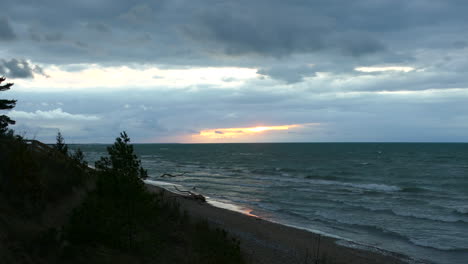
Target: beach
[{"x": 262, "y": 241}]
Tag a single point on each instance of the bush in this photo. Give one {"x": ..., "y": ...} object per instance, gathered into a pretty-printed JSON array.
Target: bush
[{"x": 120, "y": 214}]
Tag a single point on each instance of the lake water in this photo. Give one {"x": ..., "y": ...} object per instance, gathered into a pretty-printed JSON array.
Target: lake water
[{"x": 405, "y": 198}]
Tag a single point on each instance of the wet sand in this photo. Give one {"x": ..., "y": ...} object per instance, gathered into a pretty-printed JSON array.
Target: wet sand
[{"x": 265, "y": 242}]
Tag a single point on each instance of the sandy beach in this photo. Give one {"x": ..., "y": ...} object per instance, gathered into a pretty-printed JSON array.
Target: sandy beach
[{"x": 266, "y": 242}]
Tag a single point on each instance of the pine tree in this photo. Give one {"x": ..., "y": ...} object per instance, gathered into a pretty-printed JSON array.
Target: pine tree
[
  {"x": 5, "y": 105},
  {"x": 122, "y": 160},
  {"x": 60, "y": 144}
]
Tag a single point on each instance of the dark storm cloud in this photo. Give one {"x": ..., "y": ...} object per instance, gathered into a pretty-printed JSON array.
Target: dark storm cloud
[
  {"x": 6, "y": 32},
  {"x": 332, "y": 34},
  {"x": 240, "y": 34},
  {"x": 15, "y": 68},
  {"x": 277, "y": 29},
  {"x": 187, "y": 30}
]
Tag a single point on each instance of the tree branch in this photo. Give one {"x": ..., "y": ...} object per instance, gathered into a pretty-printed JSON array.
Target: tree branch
[
  {"x": 172, "y": 175},
  {"x": 194, "y": 196}
]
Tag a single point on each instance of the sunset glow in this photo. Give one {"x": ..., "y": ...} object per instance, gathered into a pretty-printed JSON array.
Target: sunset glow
[{"x": 241, "y": 132}]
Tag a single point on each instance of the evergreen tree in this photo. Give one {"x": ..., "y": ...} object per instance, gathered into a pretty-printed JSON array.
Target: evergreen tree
[
  {"x": 122, "y": 160},
  {"x": 5, "y": 105},
  {"x": 79, "y": 157},
  {"x": 120, "y": 180},
  {"x": 60, "y": 144}
]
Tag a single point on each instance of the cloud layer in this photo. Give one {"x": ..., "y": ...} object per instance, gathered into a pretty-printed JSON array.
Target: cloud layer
[
  {"x": 51, "y": 115},
  {"x": 19, "y": 69},
  {"x": 6, "y": 32},
  {"x": 386, "y": 70}
]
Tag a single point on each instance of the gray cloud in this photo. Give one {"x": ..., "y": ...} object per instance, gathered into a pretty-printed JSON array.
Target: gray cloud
[
  {"x": 57, "y": 113},
  {"x": 256, "y": 28},
  {"x": 15, "y": 68},
  {"x": 288, "y": 74},
  {"x": 6, "y": 32},
  {"x": 358, "y": 44},
  {"x": 387, "y": 117},
  {"x": 99, "y": 27},
  {"x": 279, "y": 38},
  {"x": 223, "y": 27},
  {"x": 52, "y": 37},
  {"x": 333, "y": 34},
  {"x": 138, "y": 14}
]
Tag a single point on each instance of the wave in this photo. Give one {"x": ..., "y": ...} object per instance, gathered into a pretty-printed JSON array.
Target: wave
[
  {"x": 261, "y": 171},
  {"x": 247, "y": 154},
  {"x": 237, "y": 170},
  {"x": 292, "y": 213},
  {"x": 396, "y": 212},
  {"x": 322, "y": 177},
  {"x": 427, "y": 244},
  {"x": 288, "y": 169},
  {"x": 276, "y": 180},
  {"x": 395, "y": 234},
  {"x": 415, "y": 189},
  {"x": 445, "y": 219},
  {"x": 376, "y": 187},
  {"x": 362, "y": 186},
  {"x": 370, "y": 227},
  {"x": 461, "y": 209}
]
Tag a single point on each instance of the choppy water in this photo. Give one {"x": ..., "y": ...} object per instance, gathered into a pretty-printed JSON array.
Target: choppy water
[{"x": 406, "y": 198}]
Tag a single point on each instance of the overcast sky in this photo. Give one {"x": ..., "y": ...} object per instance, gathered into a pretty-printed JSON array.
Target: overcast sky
[{"x": 206, "y": 71}]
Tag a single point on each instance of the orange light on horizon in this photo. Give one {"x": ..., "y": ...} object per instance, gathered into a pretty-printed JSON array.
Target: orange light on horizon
[{"x": 223, "y": 133}]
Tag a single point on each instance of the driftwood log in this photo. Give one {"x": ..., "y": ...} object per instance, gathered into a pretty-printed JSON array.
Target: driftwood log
[
  {"x": 172, "y": 175},
  {"x": 195, "y": 196}
]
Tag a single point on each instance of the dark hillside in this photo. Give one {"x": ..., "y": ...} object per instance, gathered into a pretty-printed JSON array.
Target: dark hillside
[
  {"x": 53, "y": 209},
  {"x": 38, "y": 190}
]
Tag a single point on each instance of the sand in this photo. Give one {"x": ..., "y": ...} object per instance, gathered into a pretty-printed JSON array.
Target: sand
[{"x": 265, "y": 242}]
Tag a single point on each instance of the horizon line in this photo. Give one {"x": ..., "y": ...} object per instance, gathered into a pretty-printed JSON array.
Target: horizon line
[{"x": 278, "y": 142}]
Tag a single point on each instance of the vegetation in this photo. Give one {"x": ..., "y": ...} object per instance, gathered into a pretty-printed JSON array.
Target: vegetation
[
  {"x": 79, "y": 157},
  {"x": 32, "y": 175},
  {"x": 120, "y": 215},
  {"x": 62, "y": 148},
  {"x": 116, "y": 221},
  {"x": 38, "y": 189},
  {"x": 5, "y": 105},
  {"x": 60, "y": 145}
]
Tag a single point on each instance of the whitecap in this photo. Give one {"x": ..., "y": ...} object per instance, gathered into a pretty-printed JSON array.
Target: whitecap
[
  {"x": 462, "y": 209},
  {"x": 363, "y": 186}
]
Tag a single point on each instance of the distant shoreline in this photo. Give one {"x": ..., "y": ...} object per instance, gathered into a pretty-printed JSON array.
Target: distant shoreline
[{"x": 263, "y": 241}]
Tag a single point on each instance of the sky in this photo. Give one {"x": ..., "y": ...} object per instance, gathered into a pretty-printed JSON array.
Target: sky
[{"x": 213, "y": 71}]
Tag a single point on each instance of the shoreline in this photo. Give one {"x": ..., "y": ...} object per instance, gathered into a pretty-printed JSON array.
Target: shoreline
[{"x": 268, "y": 242}]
